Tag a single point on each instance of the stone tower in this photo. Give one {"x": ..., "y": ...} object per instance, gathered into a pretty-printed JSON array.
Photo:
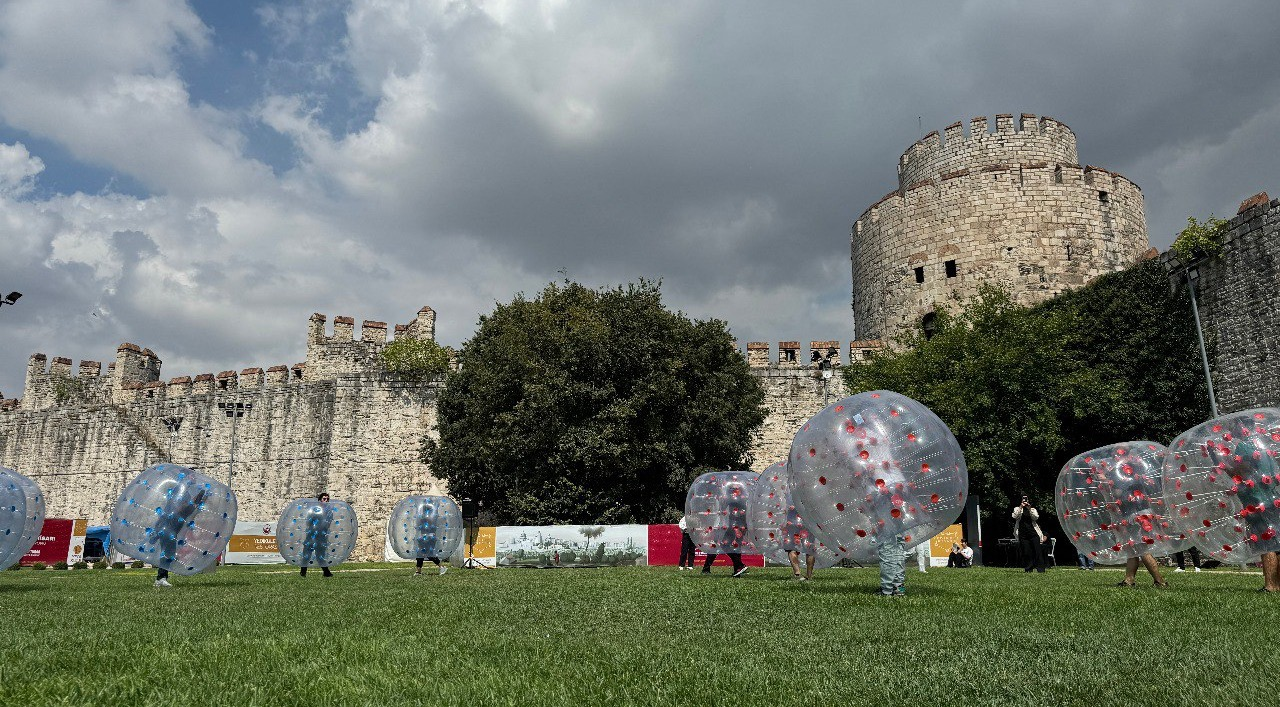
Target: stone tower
[{"x": 1012, "y": 208}]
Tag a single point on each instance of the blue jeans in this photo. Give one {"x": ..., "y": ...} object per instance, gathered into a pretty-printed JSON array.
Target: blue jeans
[
  {"x": 892, "y": 551},
  {"x": 1086, "y": 562}
]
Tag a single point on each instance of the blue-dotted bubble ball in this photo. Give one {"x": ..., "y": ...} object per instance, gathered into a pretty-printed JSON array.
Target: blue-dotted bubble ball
[
  {"x": 1110, "y": 500},
  {"x": 876, "y": 467},
  {"x": 174, "y": 517},
  {"x": 717, "y": 509},
  {"x": 1222, "y": 484},
  {"x": 425, "y": 526},
  {"x": 777, "y": 529},
  {"x": 21, "y": 516},
  {"x": 313, "y": 533}
]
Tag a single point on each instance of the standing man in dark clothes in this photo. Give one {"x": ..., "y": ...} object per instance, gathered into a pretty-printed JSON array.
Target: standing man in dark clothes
[
  {"x": 1027, "y": 531},
  {"x": 687, "y": 549}
]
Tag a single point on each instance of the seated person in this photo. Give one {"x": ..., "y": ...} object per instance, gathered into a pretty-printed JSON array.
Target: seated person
[{"x": 960, "y": 556}]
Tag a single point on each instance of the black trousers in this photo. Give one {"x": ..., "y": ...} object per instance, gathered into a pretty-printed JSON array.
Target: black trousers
[
  {"x": 327, "y": 573},
  {"x": 686, "y": 550},
  {"x": 433, "y": 559},
  {"x": 1181, "y": 559},
  {"x": 734, "y": 557},
  {"x": 1032, "y": 555}
]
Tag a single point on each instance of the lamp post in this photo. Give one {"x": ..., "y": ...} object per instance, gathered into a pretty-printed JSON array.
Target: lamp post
[
  {"x": 235, "y": 411},
  {"x": 172, "y": 423},
  {"x": 11, "y": 298},
  {"x": 1193, "y": 274}
]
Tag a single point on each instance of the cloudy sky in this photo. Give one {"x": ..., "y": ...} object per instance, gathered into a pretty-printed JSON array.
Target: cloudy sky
[{"x": 200, "y": 178}]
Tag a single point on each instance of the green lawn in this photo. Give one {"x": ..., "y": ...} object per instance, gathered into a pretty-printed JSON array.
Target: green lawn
[{"x": 261, "y": 636}]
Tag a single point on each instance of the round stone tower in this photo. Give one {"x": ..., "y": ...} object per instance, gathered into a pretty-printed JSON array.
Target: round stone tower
[{"x": 1012, "y": 208}]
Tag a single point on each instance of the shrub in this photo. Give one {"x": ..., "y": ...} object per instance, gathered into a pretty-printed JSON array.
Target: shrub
[
  {"x": 100, "y": 565},
  {"x": 38, "y": 566},
  {"x": 117, "y": 565},
  {"x": 136, "y": 564},
  {"x": 81, "y": 565},
  {"x": 59, "y": 565},
  {"x": 416, "y": 359},
  {"x": 14, "y": 566},
  {"x": 1200, "y": 240}
]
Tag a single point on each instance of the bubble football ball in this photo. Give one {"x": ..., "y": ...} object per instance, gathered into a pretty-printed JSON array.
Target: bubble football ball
[
  {"x": 21, "y": 516},
  {"x": 1222, "y": 485},
  {"x": 876, "y": 464},
  {"x": 1110, "y": 501},
  {"x": 312, "y": 533},
  {"x": 425, "y": 526},
  {"x": 776, "y": 526},
  {"x": 716, "y": 509},
  {"x": 175, "y": 518}
]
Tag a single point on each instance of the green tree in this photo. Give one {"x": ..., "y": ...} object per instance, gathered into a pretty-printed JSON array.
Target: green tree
[
  {"x": 1200, "y": 240},
  {"x": 1025, "y": 389},
  {"x": 592, "y": 406},
  {"x": 415, "y": 359}
]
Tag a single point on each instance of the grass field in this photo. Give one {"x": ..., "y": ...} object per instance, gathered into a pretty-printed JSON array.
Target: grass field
[{"x": 641, "y": 636}]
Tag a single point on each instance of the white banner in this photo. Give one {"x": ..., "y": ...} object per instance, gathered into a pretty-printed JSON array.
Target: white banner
[{"x": 253, "y": 543}]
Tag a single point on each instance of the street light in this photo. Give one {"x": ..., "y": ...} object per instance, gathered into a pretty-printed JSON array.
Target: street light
[
  {"x": 11, "y": 298},
  {"x": 235, "y": 411},
  {"x": 172, "y": 423},
  {"x": 1193, "y": 274}
]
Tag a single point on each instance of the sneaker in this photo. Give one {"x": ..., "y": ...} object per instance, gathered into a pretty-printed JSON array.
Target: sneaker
[
  {"x": 418, "y": 573},
  {"x": 163, "y": 583},
  {"x": 1197, "y": 569},
  {"x": 900, "y": 592},
  {"x": 706, "y": 571},
  {"x": 802, "y": 578},
  {"x": 740, "y": 572},
  {"x": 1182, "y": 570},
  {"x": 443, "y": 569}
]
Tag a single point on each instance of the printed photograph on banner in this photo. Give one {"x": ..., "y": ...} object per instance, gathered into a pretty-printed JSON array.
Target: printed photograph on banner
[{"x": 572, "y": 545}]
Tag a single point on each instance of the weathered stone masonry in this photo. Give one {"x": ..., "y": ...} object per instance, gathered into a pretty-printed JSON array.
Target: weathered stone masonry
[
  {"x": 1011, "y": 208},
  {"x": 334, "y": 423},
  {"x": 1238, "y": 294}
]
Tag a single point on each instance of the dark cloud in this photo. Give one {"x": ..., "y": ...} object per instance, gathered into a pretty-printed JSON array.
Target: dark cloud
[{"x": 458, "y": 157}]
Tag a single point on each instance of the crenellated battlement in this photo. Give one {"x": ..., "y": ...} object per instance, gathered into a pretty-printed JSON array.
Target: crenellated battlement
[
  {"x": 331, "y": 355},
  {"x": 1027, "y": 139},
  {"x": 792, "y": 356}
]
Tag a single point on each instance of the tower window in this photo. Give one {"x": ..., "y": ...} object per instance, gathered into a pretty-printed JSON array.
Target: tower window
[
  {"x": 929, "y": 325},
  {"x": 920, "y": 274},
  {"x": 1104, "y": 198},
  {"x": 1057, "y": 174},
  {"x": 1068, "y": 251},
  {"x": 951, "y": 268}
]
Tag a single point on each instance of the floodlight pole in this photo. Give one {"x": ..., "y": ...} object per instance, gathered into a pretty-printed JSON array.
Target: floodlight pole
[
  {"x": 1193, "y": 274},
  {"x": 172, "y": 423},
  {"x": 11, "y": 298},
  {"x": 235, "y": 411}
]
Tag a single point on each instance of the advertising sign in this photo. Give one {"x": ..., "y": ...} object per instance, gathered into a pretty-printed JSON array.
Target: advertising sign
[
  {"x": 664, "y": 550},
  {"x": 61, "y": 540},
  {"x": 940, "y": 544},
  {"x": 570, "y": 545},
  {"x": 253, "y": 542}
]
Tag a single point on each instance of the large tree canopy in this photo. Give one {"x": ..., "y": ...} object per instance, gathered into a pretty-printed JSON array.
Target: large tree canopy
[
  {"x": 585, "y": 405},
  {"x": 1025, "y": 389}
]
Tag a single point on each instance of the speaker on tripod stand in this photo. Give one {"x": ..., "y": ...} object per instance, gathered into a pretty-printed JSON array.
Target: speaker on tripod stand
[{"x": 470, "y": 520}]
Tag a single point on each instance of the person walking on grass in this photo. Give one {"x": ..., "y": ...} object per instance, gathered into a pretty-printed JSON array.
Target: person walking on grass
[
  {"x": 686, "y": 546},
  {"x": 796, "y": 540},
  {"x": 1131, "y": 571},
  {"x": 733, "y": 535},
  {"x": 1180, "y": 558},
  {"x": 425, "y": 542},
  {"x": 1026, "y": 530},
  {"x": 316, "y": 544}
]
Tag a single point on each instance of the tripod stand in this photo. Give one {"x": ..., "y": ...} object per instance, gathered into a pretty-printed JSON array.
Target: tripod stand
[{"x": 472, "y": 525}]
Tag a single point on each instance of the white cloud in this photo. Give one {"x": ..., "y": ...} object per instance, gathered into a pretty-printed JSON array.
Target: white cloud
[{"x": 18, "y": 169}]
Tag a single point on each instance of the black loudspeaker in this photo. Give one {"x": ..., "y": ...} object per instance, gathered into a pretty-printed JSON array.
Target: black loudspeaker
[{"x": 470, "y": 509}]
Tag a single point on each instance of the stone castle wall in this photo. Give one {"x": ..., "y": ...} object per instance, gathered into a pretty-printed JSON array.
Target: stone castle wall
[
  {"x": 1010, "y": 208},
  {"x": 1238, "y": 294},
  {"x": 355, "y": 432}
]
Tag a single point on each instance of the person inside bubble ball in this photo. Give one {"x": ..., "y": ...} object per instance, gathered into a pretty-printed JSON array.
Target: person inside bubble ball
[
  {"x": 316, "y": 542},
  {"x": 1259, "y": 509},
  {"x": 178, "y": 511},
  {"x": 425, "y": 542},
  {"x": 892, "y": 534},
  {"x": 1026, "y": 530},
  {"x": 1133, "y": 491},
  {"x": 795, "y": 541},
  {"x": 734, "y": 532}
]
